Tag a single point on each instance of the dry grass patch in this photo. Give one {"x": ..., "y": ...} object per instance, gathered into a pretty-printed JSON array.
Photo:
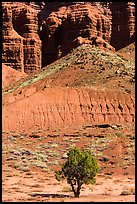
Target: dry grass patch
[
  {"x": 66, "y": 189},
  {"x": 128, "y": 191}
]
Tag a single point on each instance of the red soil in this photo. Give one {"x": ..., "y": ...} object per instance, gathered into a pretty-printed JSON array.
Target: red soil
[
  {"x": 42, "y": 120},
  {"x": 10, "y": 75}
]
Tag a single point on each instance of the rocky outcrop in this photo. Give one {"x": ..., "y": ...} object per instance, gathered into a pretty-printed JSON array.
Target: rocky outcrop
[
  {"x": 123, "y": 24},
  {"x": 21, "y": 43},
  {"x": 58, "y": 107},
  {"x": 32, "y": 45},
  {"x": 60, "y": 25},
  {"x": 94, "y": 40},
  {"x": 12, "y": 53}
]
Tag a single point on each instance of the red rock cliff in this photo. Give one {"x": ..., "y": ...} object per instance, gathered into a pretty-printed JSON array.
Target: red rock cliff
[
  {"x": 12, "y": 42},
  {"x": 61, "y": 27},
  {"x": 21, "y": 43},
  {"x": 57, "y": 107},
  {"x": 123, "y": 24},
  {"x": 62, "y": 22}
]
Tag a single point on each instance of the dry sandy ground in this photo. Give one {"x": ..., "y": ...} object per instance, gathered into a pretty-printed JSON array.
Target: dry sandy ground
[
  {"x": 115, "y": 182},
  {"x": 45, "y": 188},
  {"x": 44, "y": 150}
]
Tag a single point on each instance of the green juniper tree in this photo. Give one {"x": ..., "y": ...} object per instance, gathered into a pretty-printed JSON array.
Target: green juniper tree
[{"x": 80, "y": 168}]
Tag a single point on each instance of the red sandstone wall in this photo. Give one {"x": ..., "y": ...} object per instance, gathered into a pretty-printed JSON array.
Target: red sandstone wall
[
  {"x": 60, "y": 26},
  {"x": 21, "y": 43},
  {"x": 68, "y": 23},
  {"x": 72, "y": 107},
  {"x": 123, "y": 24},
  {"x": 12, "y": 42},
  {"x": 62, "y": 23}
]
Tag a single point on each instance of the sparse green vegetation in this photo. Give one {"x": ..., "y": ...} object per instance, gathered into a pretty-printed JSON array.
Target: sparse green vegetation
[
  {"x": 83, "y": 54},
  {"x": 80, "y": 168}
]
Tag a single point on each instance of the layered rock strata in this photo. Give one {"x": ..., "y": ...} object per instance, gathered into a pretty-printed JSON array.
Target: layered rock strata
[
  {"x": 61, "y": 28},
  {"x": 13, "y": 51},
  {"x": 59, "y": 25},
  {"x": 123, "y": 24},
  {"x": 21, "y": 43},
  {"x": 32, "y": 43},
  {"x": 58, "y": 107}
]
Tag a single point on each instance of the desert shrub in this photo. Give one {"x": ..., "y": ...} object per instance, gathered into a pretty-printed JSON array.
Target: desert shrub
[{"x": 80, "y": 168}]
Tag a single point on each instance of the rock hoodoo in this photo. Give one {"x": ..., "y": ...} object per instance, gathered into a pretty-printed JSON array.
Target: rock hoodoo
[
  {"x": 12, "y": 42},
  {"x": 62, "y": 27},
  {"x": 21, "y": 43},
  {"x": 38, "y": 33}
]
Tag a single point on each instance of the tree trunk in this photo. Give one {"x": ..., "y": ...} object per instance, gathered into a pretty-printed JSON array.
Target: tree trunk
[
  {"x": 78, "y": 189},
  {"x": 77, "y": 194},
  {"x": 73, "y": 189}
]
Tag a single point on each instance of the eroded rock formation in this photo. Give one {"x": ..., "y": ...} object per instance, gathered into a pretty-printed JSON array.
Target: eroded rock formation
[
  {"x": 123, "y": 24},
  {"x": 62, "y": 27},
  {"x": 114, "y": 22},
  {"x": 72, "y": 107},
  {"x": 59, "y": 25},
  {"x": 12, "y": 42},
  {"x": 21, "y": 43}
]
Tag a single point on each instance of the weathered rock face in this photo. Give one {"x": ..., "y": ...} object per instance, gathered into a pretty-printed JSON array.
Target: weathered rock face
[
  {"x": 12, "y": 42},
  {"x": 72, "y": 107},
  {"x": 21, "y": 43},
  {"x": 88, "y": 86},
  {"x": 123, "y": 24},
  {"x": 32, "y": 43},
  {"x": 60, "y": 25}
]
